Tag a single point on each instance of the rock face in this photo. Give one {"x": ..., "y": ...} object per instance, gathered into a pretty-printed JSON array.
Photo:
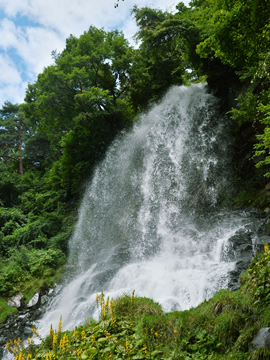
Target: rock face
[
  {"x": 242, "y": 247},
  {"x": 261, "y": 340},
  {"x": 240, "y": 250}
]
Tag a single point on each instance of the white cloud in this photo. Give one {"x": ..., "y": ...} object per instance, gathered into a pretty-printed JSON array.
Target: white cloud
[
  {"x": 13, "y": 92},
  {"x": 8, "y": 34},
  {"x": 50, "y": 22},
  {"x": 32, "y": 46},
  {"x": 9, "y": 73},
  {"x": 12, "y": 87},
  {"x": 36, "y": 48}
]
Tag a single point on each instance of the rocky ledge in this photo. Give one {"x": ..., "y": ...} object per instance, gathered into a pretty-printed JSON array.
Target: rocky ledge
[{"x": 20, "y": 324}]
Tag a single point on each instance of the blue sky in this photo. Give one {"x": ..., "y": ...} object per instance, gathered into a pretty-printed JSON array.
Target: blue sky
[{"x": 31, "y": 29}]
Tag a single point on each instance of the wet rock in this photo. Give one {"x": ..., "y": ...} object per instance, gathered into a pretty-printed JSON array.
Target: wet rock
[
  {"x": 44, "y": 299},
  {"x": 24, "y": 318},
  {"x": 27, "y": 331},
  {"x": 260, "y": 241},
  {"x": 239, "y": 248},
  {"x": 35, "y": 301},
  {"x": 261, "y": 340}
]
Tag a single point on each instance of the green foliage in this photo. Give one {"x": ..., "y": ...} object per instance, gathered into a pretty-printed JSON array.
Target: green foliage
[
  {"x": 137, "y": 328},
  {"x": 81, "y": 103},
  {"x": 258, "y": 279},
  {"x": 233, "y": 34},
  {"x": 5, "y": 310},
  {"x": 24, "y": 265},
  {"x": 10, "y": 186},
  {"x": 162, "y": 58},
  {"x": 140, "y": 306},
  {"x": 260, "y": 354},
  {"x": 13, "y": 132},
  {"x": 246, "y": 109},
  {"x": 73, "y": 112},
  {"x": 234, "y": 44}
]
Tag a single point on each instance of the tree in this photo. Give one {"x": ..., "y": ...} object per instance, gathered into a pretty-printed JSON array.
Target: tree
[
  {"x": 12, "y": 134},
  {"x": 237, "y": 32},
  {"x": 116, "y": 4},
  {"x": 162, "y": 58},
  {"x": 81, "y": 102}
]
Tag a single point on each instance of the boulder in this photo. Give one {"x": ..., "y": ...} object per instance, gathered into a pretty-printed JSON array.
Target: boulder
[
  {"x": 16, "y": 301},
  {"x": 35, "y": 301},
  {"x": 261, "y": 340},
  {"x": 27, "y": 331}
]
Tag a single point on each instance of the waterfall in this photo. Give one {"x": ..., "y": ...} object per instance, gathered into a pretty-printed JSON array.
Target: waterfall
[{"x": 151, "y": 219}]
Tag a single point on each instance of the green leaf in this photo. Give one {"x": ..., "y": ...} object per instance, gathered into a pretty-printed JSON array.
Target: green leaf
[{"x": 103, "y": 339}]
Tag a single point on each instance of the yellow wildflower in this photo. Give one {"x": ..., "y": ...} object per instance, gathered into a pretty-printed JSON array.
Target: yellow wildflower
[
  {"x": 144, "y": 349},
  {"x": 55, "y": 337},
  {"x": 83, "y": 336},
  {"x": 64, "y": 343},
  {"x": 60, "y": 325},
  {"x": 101, "y": 299},
  {"x": 128, "y": 347},
  {"x": 75, "y": 333},
  {"x": 79, "y": 353},
  {"x": 8, "y": 347},
  {"x": 108, "y": 335},
  {"x": 51, "y": 332},
  {"x": 132, "y": 297},
  {"x": 93, "y": 340}
]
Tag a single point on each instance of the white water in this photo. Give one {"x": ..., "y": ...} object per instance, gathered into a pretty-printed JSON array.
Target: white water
[{"x": 150, "y": 219}]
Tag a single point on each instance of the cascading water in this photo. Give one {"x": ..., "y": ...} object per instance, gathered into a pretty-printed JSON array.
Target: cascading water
[{"x": 150, "y": 220}]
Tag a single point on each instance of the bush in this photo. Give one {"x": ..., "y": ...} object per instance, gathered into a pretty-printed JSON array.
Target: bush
[{"x": 24, "y": 265}]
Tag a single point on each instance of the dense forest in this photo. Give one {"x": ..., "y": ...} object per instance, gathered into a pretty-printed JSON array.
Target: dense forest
[{"x": 95, "y": 89}]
